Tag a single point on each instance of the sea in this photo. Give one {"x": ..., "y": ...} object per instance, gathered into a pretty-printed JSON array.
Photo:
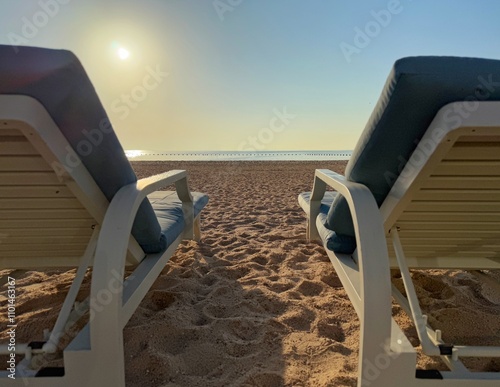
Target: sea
[{"x": 148, "y": 155}]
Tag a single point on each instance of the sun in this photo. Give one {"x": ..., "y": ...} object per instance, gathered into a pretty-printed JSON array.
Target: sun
[{"x": 123, "y": 53}]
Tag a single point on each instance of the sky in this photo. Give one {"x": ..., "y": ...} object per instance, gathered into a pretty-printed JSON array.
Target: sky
[{"x": 194, "y": 75}]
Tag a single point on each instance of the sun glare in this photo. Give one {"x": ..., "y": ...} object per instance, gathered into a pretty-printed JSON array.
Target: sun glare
[
  {"x": 123, "y": 53},
  {"x": 133, "y": 153}
]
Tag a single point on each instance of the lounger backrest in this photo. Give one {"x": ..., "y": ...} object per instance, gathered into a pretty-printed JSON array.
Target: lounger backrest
[
  {"x": 47, "y": 216},
  {"x": 417, "y": 88},
  {"x": 445, "y": 205},
  {"x": 58, "y": 81}
]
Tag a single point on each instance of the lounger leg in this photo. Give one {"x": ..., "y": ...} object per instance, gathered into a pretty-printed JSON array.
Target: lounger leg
[
  {"x": 388, "y": 367},
  {"x": 106, "y": 295},
  {"x": 108, "y": 368},
  {"x": 103, "y": 366},
  {"x": 66, "y": 311}
]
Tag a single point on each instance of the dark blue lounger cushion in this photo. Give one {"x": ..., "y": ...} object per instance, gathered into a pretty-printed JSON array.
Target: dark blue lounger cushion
[
  {"x": 58, "y": 81},
  {"x": 416, "y": 89},
  {"x": 168, "y": 210}
]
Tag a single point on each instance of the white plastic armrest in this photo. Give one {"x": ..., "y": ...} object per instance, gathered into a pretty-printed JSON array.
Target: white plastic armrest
[
  {"x": 112, "y": 245},
  {"x": 317, "y": 194},
  {"x": 179, "y": 177},
  {"x": 373, "y": 261}
]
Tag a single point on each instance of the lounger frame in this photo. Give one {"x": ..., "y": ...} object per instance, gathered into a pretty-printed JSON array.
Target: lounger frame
[
  {"x": 386, "y": 357},
  {"x": 95, "y": 356}
]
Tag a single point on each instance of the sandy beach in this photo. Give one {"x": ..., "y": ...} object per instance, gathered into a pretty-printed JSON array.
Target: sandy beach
[{"x": 254, "y": 303}]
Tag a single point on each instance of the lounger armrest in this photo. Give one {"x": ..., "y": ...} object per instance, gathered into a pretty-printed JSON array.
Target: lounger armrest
[
  {"x": 109, "y": 262},
  {"x": 372, "y": 255},
  {"x": 317, "y": 194},
  {"x": 179, "y": 177},
  {"x": 154, "y": 183}
]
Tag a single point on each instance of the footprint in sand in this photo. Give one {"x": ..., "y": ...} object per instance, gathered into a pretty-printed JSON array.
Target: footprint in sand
[
  {"x": 216, "y": 311},
  {"x": 260, "y": 260},
  {"x": 491, "y": 292},
  {"x": 280, "y": 287},
  {"x": 301, "y": 256},
  {"x": 276, "y": 257},
  {"x": 220, "y": 293},
  {"x": 332, "y": 280},
  {"x": 245, "y": 330},
  {"x": 330, "y": 329},
  {"x": 310, "y": 288},
  {"x": 437, "y": 288},
  {"x": 227, "y": 241},
  {"x": 270, "y": 302},
  {"x": 158, "y": 300},
  {"x": 484, "y": 286},
  {"x": 299, "y": 320},
  {"x": 241, "y": 349}
]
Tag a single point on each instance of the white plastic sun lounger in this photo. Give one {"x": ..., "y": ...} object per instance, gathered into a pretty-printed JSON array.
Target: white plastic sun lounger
[
  {"x": 69, "y": 198},
  {"x": 422, "y": 190}
]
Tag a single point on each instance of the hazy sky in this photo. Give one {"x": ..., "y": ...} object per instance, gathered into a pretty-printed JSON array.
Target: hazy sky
[{"x": 247, "y": 74}]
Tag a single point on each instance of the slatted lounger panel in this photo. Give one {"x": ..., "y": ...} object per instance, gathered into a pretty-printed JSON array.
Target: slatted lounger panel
[
  {"x": 456, "y": 212},
  {"x": 39, "y": 216}
]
